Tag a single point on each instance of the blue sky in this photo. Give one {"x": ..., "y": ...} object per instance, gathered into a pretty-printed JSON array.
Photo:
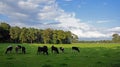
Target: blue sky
[
  {"x": 89, "y": 19},
  {"x": 94, "y": 10}
]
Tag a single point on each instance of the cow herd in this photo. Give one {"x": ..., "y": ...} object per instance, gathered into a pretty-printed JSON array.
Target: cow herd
[
  {"x": 40, "y": 50},
  {"x": 18, "y": 49}
]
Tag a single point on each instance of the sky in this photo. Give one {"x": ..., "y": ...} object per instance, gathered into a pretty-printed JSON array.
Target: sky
[{"x": 88, "y": 19}]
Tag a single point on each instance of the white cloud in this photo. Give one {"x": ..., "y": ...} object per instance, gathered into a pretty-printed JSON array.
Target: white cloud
[
  {"x": 4, "y": 8},
  {"x": 27, "y": 5},
  {"x": 103, "y": 21},
  {"x": 47, "y": 13},
  {"x": 69, "y": 22},
  {"x": 115, "y": 29},
  {"x": 88, "y": 34}
]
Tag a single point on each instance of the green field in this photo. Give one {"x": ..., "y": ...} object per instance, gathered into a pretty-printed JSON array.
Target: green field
[{"x": 91, "y": 55}]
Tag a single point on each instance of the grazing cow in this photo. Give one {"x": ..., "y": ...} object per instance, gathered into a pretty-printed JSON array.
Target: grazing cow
[
  {"x": 9, "y": 48},
  {"x": 43, "y": 49},
  {"x": 23, "y": 50},
  {"x": 17, "y": 48},
  {"x": 54, "y": 49},
  {"x": 76, "y": 49},
  {"x": 62, "y": 49}
]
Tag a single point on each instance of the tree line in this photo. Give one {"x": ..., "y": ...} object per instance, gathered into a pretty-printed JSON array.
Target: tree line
[{"x": 16, "y": 34}]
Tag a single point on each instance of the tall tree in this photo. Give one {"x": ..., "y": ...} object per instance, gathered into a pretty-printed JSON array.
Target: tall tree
[
  {"x": 23, "y": 35},
  {"x": 4, "y": 32},
  {"x": 55, "y": 40},
  {"x": 68, "y": 38},
  {"x": 5, "y": 26},
  {"x": 61, "y": 36},
  {"x": 47, "y": 35},
  {"x": 116, "y": 38},
  {"x": 32, "y": 34},
  {"x": 1, "y": 35},
  {"x": 15, "y": 33},
  {"x": 74, "y": 38},
  {"x": 39, "y": 36}
]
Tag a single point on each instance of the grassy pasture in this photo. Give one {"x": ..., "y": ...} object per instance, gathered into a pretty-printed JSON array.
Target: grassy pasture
[{"x": 91, "y": 55}]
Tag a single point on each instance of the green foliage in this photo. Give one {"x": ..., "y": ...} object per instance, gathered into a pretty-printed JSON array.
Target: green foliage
[
  {"x": 15, "y": 33},
  {"x": 47, "y": 35},
  {"x": 4, "y": 26},
  {"x": 116, "y": 38},
  {"x": 55, "y": 35},
  {"x": 24, "y": 35},
  {"x": 74, "y": 38},
  {"x": 4, "y": 32},
  {"x": 32, "y": 35}
]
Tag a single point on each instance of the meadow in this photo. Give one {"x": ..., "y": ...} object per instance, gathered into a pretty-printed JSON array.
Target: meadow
[{"x": 91, "y": 55}]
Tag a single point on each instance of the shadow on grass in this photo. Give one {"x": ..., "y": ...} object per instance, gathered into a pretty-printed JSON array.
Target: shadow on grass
[
  {"x": 10, "y": 58},
  {"x": 63, "y": 65},
  {"x": 115, "y": 65},
  {"x": 47, "y": 65},
  {"x": 48, "y": 60},
  {"x": 99, "y": 62}
]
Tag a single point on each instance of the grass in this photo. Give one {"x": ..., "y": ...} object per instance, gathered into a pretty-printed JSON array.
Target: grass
[{"x": 91, "y": 55}]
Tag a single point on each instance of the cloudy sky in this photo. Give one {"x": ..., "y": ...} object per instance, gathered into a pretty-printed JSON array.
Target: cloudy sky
[{"x": 89, "y": 19}]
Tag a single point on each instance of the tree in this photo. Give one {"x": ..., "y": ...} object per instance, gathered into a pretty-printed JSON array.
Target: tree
[
  {"x": 32, "y": 34},
  {"x": 0, "y": 32},
  {"x": 116, "y": 38},
  {"x": 4, "y": 32},
  {"x": 60, "y": 36},
  {"x": 74, "y": 38},
  {"x": 5, "y": 26},
  {"x": 47, "y": 35},
  {"x": 68, "y": 38},
  {"x": 55, "y": 40},
  {"x": 15, "y": 33},
  {"x": 39, "y": 36},
  {"x": 23, "y": 35}
]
